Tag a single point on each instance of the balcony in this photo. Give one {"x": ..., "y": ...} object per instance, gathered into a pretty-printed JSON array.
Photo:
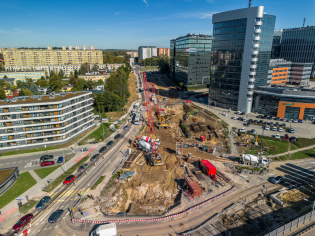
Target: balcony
[
  {"x": 253, "y": 66},
  {"x": 258, "y": 23},
  {"x": 256, "y": 52},
  {"x": 256, "y": 45},
  {"x": 254, "y": 59},
  {"x": 250, "y": 86},
  {"x": 6, "y": 117},
  {"x": 252, "y": 73},
  {"x": 257, "y": 31},
  {"x": 256, "y": 38},
  {"x": 252, "y": 80},
  {"x": 8, "y": 124}
]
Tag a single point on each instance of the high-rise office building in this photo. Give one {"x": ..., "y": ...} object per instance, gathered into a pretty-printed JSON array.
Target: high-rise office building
[
  {"x": 190, "y": 59},
  {"x": 147, "y": 52},
  {"x": 298, "y": 44},
  {"x": 276, "y": 44},
  {"x": 240, "y": 56},
  {"x": 49, "y": 57}
]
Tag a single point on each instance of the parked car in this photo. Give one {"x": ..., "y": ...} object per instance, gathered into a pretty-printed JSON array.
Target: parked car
[
  {"x": 283, "y": 125},
  {"x": 277, "y": 136},
  {"x": 83, "y": 167},
  {"x": 251, "y": 131},
  {"x": 277, "y": 124},
  {"x": 46, "y": 157},
  {"x": 60, "y": 159},
  {"x": 295, "y": 121},
  {"x": 244, "y": 119},
  {"x": 103, "y": 149},
  {"x": 291, "y": 130},
  {"x": 142, "y": 109},
  {"x": 239, "y": 112},
  {"x": 83, "y": 149},
  {"x": 94, "y": 157},
  {"x": 269, "y": 118},
  {"x": 300, "y": 121},
  {"x": 260, "y": 122},
  {"x": 271, "y": 124},
  {"x": 68, "y": 180},
  {"x": 125, "y": 127},
  {"x": 277, "y": 180},
  {"x": 129, "y": 120},
  {"x": 109, "y": 143},
  {"x": 22, "y": 222},
  {"x": 117, "y": 136},
  {"x": 255, "y": 121},
  {"x": 42, "y": 202},
  {"x": 242, "y": 130},
  {"x": 93, "y": 142},
  {"x": 266, "y": 127},
  {"x": 290, "y": 120},
  {"x": 250, "y": 120},
  {"x": 274, "y": 128},
  {"x": 286, "y": 137},
  {"x": 280, "y": 129},
  {"x": 284, "y": 119},
  {"x": 293, "y": 139},
  {"x": 260, "y": 116},
  {"x": 234, "y": 117},
  {"x": 47, "y": 163},
  {"x": 55, "y": 216}
]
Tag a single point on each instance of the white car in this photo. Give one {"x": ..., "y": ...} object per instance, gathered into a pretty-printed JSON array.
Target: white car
[
  {"x": 267, "y": 127},
  {"x": 234, "y": 117},
  {"x": 244, "y": 119},
  {"x": 277, "y": 136},
  {"x": 129, "y": 119},
  {"x": 280, "y": 129},
  {"x": 142, "y": 109},
  {"x": 295, "y": 121},
  {"x": 242, "y": 130},
  {"x": 239, "y": 112},
  {"x": 274, "y": 128}
]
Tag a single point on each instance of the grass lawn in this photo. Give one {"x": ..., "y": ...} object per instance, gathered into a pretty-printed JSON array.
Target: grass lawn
[
  {"x": 48, "y": 148},
  {"x": 271, "y": 146},
  {"x": 148, "y": 68},
  {"x": 28, "y": 206},
  {"x": 42, "y": 173},
  {"x": 298, "y": 155},
  {"x": 100, "y": 180},
  {"x": 98, "y": 133},
  {"x": 23, "y": 183},
  {"x": 62, "y": 177},
  {"x": 304, "y": 142}
]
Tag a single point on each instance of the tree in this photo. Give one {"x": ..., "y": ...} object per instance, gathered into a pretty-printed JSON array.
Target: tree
[
  {"x": 49, "y": 90},
  {"x": 5, "y": 76},
  {"x": 7, "y": 85},
  {"x": 100, "y": 81},
  {"x": 72, "y": 80},
  {"x": 76, "y": 73},
  {"x": 13, "y": 88},
  {"x": 89, "y": 84},
  {"x": 34, "y": 89},
  {"x": 27, "y": 92},
  {"x": 19, "y": 84},
  {"x": 2, "y": 68},
  {"x": 2, "y": 94},
  {"x": 55, "y": 82},
  {"x": 84, "y": 68},
  {"x": 52, "y": 73},
  {"x": 61, "y": 73},
  {"x": 164, "y": 64},
  {"x": 79, "y": 85},
  {"x": 29, "y": 82},
  {"x": 71, "y": 74},
  {"x": 95, "y": 67}
]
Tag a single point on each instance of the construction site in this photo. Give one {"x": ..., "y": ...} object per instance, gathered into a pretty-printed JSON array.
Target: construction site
[{"x": 174, "y": 158}]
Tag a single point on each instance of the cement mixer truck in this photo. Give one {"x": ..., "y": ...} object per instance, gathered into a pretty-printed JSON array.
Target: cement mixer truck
[
  {"x": 248, "y": 159},
  {"x": 142, "y": 145}
]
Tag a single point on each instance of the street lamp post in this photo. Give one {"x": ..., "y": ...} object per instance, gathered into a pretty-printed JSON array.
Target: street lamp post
[{"x": 260, "y": 157}]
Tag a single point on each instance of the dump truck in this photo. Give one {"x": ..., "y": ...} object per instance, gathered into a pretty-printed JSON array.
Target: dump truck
[
  {"x": 105, "y": 230},
  {"x": 249, "y": 159}
]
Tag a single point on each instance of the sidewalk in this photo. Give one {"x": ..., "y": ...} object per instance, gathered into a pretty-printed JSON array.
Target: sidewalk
[{"x": 294, "y": 151}]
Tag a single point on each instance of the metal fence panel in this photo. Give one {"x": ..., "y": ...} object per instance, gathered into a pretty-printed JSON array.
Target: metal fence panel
[
  {"x": 294, "y": 226},
  {"x": 308, "y": 215},
  {"x": 295, "y": 222},
  {"x": 286, "y": 230},
  {"x": 280, "y": 229},
  {"x": 302, "y": 218},
  {"x": 273, "y": 233},
  {"x": 288, "y": 225}
]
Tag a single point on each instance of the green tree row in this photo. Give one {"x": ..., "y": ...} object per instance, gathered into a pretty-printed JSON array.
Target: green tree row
[
  {"x": 118, "y": 56},
  {"x": 162, "y": 61}
]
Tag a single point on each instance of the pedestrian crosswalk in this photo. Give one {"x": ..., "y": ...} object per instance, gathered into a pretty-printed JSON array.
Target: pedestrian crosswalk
[{"x": 69, "y": 194}]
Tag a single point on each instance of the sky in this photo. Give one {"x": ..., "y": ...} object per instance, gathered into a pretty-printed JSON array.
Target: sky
[{"x": 127, "y": 24}]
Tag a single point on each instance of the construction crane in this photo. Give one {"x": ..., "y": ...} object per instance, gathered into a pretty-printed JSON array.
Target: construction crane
[
  {"x": 162, "y": 118},
  {"x": 154, "y": 155}
]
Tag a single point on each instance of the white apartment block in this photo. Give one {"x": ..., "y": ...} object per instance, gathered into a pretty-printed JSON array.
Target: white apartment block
[{"x": 147, "y": 52}]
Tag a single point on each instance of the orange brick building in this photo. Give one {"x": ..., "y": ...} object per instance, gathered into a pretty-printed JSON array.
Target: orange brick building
[{"x": 164, "y": 51}]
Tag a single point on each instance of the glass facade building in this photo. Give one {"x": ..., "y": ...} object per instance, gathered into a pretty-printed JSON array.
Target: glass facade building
[
  {"x": 190, "y": 59},
  {"x": 242, "y": 41}
]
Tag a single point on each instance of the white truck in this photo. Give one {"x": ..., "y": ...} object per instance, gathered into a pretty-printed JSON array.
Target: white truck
[
  {"x": 249, "y": 159},
  {"x": 105, "y": 230},
  {"x": 136, "y": 106}
]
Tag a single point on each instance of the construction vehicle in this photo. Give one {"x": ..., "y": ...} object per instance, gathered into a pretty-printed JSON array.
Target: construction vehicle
[
  {"x": 248, "y": 159},
  {"x": 161, "y": 116},
  {"x": 154, "y": 157},
  {"x": 194, "y": 119}
]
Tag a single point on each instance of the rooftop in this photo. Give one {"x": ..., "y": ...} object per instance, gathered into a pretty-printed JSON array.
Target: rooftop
[
  {"x": 5, "y": 173},
  {"x": 42, "y": 98},
  {"x": 287, "y": 91},
  {"x": 10, "y": 72}
]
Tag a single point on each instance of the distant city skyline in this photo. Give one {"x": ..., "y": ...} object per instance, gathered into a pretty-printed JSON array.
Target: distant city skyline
[{"x": 127, "y": 24}]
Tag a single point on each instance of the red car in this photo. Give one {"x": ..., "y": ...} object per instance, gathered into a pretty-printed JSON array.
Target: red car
[
  {"x": 69, "y": 179},
  {"x": 286, "y": 137},
  {"x": 22, "y": 222},
  {"x": 47, "y": 163}
]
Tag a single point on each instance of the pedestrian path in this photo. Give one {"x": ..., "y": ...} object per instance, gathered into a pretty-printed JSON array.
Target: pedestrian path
[{"x": 34, "y": 175}]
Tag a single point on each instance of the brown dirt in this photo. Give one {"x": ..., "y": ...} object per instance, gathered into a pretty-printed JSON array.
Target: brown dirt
[
  {"x": 4, "y": 174},
  {"x": 132, "y": 90}
]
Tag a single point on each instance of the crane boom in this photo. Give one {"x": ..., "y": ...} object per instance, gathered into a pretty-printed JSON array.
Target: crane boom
[
  {"x": 157, "y": 108},
  {"x": 149, "y": 113}
]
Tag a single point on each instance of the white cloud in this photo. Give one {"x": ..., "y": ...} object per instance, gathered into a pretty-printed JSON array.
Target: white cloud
[
  {"x": 145, "y": 1},
  {"x": 199, "y": 15}
]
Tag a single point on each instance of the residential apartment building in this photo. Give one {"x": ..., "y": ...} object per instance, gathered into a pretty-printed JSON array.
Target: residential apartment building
[
  {"x": 190, "y": 57},
  {"x": 147, "y": 52},
  {"x": 164, "y": 51},
  {"x": 23, "y": 75},
  {"x": 283, "y": 72},
  {"x": 240, "y": 56},
  {"x": 132, "y": 54},
  {"x": 298, "y": 44},
  {"x": 50, "y": 57},
  {"x": 37, "y": 121},
  {"x": 95, "y": 77},
  {"x": 110, "y": 66},
  {"x": 2, "y": 59}
]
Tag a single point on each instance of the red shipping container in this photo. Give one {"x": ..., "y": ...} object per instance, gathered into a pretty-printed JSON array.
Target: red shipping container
[
  {"x": 202, "y": 138},
  {"x": 194, "y": 188},
  {"x": 207, "y": 167}
]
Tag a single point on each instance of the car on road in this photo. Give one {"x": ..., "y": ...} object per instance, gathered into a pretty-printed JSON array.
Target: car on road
[
  {"x": 277, "y": 180},
  {"x": 283, "y": 125},
  {"x": 94, "y": 157},
  {"x": 68, "y": 180},
  {"x": 42, "y": 202},
  {"x": 300, "y": 121},
  {"x": 109, "y": 143},
  {"x": 103, "y": 149},
  {"x": 266, "y": 127},
  {"x": 46, "y": 157},
  {"x": 22, "y": 222},
  {"x": 60, "y": 159},
  {"x": 129, "y": 119},
  {"x": 239, "y": 112},
  {"x": 274, "y": 128},
  {"x": 295, "y": 121},
  {"x": 280, "y": 129},
  {"x": 55, "y": 216},
  {"x": 251, "y": 131},
  {"x": 117, "y": 136},
  {"x": 284, "y": 119},
  {"x": 83, "y": 149},
  {"x": 293, "y": 139},
  {"x": 277, "y": 136},
  {"x": 242, "y": 130},
  {"x": 125, "y": 127},
  {"x": 47, "y": 163},
  {"x": 83, "y": 167},
  {"x": 291, "y": 130},
  {"x": 235, "y": 117},
  {"x": 286, "y": 137}
]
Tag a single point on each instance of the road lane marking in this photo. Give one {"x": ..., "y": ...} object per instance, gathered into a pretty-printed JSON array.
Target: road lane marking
[
  {"x": 86, "y": 191},
  {"x": 41, "y": 219}
]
